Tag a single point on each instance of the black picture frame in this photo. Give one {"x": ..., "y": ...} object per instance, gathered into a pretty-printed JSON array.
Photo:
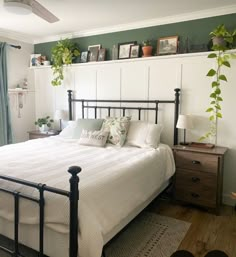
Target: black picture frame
[
  {"x": 124, "y": 49},
  {"x": 134, "y": 51},
  {"x": 84, "y": 56},
  {"x": 102, "y": 55}
]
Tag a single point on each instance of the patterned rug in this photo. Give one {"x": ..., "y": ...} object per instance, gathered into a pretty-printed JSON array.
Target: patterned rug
[{"x": 149, "y": 235}]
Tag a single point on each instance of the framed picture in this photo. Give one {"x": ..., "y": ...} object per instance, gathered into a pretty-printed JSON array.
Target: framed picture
[
  {"x": 134, "y": 51},
  {"x": 84, "y": 56},
  {"x": 124, "y": 49},
  {"x": 167, "y": 45},
  {"x": 35, "y": 60},
  {"x": 102, "y": 54},
  {"x": 93, "y": 52}
]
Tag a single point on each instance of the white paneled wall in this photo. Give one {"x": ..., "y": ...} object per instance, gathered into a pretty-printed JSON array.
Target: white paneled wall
[{"x": 150, "y": 78}]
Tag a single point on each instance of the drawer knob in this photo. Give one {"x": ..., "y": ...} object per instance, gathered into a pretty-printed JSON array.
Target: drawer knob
[
  {"x": 195, "y": 179},
  {"x": 196, "y": 162},
  {"x": 194, "y": 195}
]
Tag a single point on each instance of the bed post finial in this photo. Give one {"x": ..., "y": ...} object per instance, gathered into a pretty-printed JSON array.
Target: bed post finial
[
  {"x": 176, "y": 115},
  {"x": 74, "y": 197},
  {"x": 70, "y": 103}
]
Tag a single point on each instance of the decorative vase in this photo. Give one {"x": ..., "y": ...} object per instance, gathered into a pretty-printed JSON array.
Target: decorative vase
[
  {"x": 147, "y": 51},
  {"x": 44, "y": 128}
]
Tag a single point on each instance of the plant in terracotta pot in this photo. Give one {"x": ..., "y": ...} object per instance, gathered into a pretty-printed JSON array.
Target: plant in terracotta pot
[
  {"x": 218, "y": 78},
  {"x": 147, "y": 48},
  {"x": 44, "y": 123},
  {"x": 63, "y": 53}
]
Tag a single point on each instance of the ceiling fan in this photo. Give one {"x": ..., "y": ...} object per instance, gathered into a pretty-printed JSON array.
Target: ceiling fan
[{"x": 27, "y": 6}]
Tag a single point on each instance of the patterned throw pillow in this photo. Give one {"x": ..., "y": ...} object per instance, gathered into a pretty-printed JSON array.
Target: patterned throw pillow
[
  {"x": 93, "y": 138},
  {"x": 117, "y": 128}
]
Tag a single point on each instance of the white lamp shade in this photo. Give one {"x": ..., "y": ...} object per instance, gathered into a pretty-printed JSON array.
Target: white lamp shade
[
  {"x": 185, "y": 122},
  {"x": 60, "y": 115}
]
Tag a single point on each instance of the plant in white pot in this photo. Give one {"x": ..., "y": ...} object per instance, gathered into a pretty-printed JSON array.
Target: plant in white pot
[
  {"x": 44, "y": 123},
  {"x": 218, "y": 78}
]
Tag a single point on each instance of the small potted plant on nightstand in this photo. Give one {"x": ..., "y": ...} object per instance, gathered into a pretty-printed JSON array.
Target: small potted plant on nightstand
[
  {"x": 44, "y": 123},
  {"x": 147, "y": 48}
]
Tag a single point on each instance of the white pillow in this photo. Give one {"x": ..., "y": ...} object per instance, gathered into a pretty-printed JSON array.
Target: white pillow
[
  {"x": 93, "y": 138},
  {"x": 74, "y": 128},
  {"x": 143, "y": 134},
  {"x": 68, "y": 131}
]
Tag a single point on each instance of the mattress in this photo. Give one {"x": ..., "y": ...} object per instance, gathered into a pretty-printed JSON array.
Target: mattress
[{"x": 115, "y": 184}]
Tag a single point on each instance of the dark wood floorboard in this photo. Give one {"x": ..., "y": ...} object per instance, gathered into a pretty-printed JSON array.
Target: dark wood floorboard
[{"x": 207, "y": 231}]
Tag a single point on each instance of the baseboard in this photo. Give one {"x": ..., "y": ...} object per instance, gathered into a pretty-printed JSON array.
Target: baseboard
[{"x": 227, "y": 200}]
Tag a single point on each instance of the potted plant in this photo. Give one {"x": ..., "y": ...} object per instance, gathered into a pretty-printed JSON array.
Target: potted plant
[
  {"x": 63, "y": 53},
  {"x": 222, "y": 59},
  {"x": 44, "y": 123},
  {"x": 147, "y": 48},
  {"x": 221, "y": 36}
]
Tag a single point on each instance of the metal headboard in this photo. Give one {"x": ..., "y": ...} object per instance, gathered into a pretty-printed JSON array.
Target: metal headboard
[{"x": 84, "y": 103}]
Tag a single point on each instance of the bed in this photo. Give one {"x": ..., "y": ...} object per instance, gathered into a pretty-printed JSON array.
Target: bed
[{"x": 115, "y": 186}]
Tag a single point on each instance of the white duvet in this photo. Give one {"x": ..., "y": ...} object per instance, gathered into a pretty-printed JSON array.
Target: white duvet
[{"x": 113, "y": 182}]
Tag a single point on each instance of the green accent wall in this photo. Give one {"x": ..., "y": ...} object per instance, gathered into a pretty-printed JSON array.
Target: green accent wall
[{"x": 195, "y": 32}]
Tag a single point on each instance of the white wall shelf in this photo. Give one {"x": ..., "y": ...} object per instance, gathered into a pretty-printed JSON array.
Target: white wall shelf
[{"x": 19, "y": 91}]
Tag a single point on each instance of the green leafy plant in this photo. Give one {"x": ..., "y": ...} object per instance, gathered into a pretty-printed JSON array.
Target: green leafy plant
[
  {"x": 147, "y": 43},
  {"x": 44, "y": 121},
  {"x": 222, "y": 59},
  {"x": 221, "y": 31},
  {"x": 63, "y": 53}
]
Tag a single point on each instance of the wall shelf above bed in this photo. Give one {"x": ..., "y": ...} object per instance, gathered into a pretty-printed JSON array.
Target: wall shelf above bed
[{"x": 134, "y": 60}]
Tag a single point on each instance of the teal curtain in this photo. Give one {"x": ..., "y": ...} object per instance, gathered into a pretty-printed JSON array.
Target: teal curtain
[{"x": 5, "y": 121}]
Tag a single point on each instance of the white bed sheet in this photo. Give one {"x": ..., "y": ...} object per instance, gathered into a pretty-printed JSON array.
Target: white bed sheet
[{"x": 114, "y": 182}]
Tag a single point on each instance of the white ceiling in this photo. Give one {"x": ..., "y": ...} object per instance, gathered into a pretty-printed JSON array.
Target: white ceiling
[{"x": 89, "y": 17}]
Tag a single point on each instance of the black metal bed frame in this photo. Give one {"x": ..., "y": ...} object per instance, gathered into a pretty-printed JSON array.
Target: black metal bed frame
[
  {"x": 73, "y": 194},
  {"x": 85, "y": 102}
]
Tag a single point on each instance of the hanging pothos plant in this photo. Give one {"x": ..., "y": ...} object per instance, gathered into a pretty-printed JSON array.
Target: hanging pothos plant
[
  {"x": 63, "y": 53},
  {"x": 222, "y": 58}
]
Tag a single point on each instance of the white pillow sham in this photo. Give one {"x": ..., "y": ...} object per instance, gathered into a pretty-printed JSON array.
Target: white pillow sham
[
  {"x": 68, "y": 131},
  {"x": 74, "y": 128},
  {"x": 143, "y": 134},
  {"x": 93, "y": 138}
]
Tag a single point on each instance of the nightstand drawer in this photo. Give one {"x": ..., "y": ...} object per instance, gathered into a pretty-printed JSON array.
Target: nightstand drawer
[
  {"x": 203, "y": 198},
  {"x": 196, "y": 161},
  {"x": 196, "y": 187},
  {"x": 189, "y": 179}
]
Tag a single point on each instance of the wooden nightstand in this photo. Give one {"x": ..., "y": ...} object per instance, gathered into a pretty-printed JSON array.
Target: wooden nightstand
[
  {"x": 37, "y": 134},
  {"x": 199, "y": 175}
]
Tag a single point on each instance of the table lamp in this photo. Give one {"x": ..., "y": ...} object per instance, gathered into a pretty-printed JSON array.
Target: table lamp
[
  {"x": 184, "y": 122},
  {"x": 60, "y": 115}
]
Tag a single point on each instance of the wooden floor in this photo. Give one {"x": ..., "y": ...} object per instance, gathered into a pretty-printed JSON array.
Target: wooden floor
[{"x": 207, "y": 231}]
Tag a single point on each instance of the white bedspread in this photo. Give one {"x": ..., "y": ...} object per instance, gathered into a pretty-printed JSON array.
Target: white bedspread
[{"x": 113, "y": 182}]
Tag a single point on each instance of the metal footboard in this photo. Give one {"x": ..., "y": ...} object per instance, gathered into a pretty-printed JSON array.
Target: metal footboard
[{"x": 73, "y": 195}]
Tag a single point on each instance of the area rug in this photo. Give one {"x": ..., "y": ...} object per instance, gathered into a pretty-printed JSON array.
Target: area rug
[{"x": 149, "y": 235}]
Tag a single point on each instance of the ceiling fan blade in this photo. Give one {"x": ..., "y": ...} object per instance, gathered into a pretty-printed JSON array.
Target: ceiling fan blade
[{"x": 42, "y": 12}]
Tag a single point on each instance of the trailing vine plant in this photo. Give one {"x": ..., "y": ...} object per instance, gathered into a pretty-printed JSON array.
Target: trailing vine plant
[
  {"x": 222, "y": 59},
  {"x": 63, "y": 53}
]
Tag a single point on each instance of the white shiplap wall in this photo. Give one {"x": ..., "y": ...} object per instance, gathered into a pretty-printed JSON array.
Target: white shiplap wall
[{"x": 150, "y": 78}]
